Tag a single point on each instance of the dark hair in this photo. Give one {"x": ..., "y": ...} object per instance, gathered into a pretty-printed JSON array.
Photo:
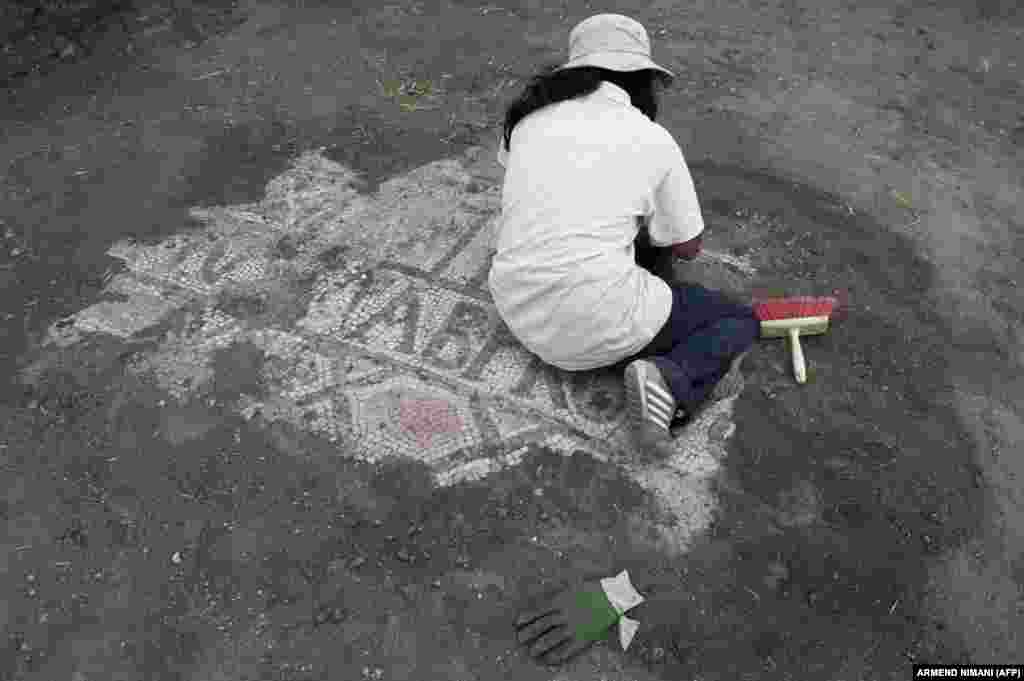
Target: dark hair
[{"x": 551, "y": 86}]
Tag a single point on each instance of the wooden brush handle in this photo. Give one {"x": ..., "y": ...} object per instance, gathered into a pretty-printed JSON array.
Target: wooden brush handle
[{"x": 799, "y": 367}]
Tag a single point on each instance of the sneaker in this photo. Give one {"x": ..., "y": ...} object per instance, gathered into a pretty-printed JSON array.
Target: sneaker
[{"x": 650, "y": 407}]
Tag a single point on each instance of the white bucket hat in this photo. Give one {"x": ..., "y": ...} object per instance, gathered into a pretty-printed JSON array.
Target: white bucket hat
[{"x": 614, "y": 42}]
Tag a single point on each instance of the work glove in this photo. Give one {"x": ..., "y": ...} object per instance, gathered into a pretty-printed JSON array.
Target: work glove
[
  {"x": 688, "y": 250},
  {"x": 569, "y": 623}
]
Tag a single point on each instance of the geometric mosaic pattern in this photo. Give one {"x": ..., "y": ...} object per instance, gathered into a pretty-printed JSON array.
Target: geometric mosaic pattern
[{"x": 379, "y": 333}]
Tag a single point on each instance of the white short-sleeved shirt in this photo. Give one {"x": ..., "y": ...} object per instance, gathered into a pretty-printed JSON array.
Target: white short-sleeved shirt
[{"x": 577, "y": 176}]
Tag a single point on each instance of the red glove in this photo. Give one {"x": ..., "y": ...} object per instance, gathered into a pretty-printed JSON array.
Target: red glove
[{"x": 688, "y": 250}]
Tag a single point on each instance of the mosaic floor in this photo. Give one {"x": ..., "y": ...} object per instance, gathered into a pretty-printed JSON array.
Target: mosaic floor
[{"x": 379, "y": 333}]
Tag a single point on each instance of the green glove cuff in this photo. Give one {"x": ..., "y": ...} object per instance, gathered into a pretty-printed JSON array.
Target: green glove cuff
[
  {"x": 608, "y": 607},
  {"x": 603, "y": 615}
]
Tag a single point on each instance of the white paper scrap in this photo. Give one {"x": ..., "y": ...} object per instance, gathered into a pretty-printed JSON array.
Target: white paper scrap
[{"x": 623, "y": 598}]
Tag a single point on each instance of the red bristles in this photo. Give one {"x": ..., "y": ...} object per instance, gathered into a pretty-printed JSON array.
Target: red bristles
[{"x": 792, "y": 308}]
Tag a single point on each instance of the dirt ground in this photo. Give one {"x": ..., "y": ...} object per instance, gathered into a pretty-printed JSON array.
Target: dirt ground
[{"x": 865, "y": 521}]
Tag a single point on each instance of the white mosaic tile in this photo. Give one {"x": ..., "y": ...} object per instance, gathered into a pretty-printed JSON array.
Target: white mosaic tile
[
  {"x": 304, "y": 374},
  {"x": 417, "y": 216},
  {"x": 312, "y": 193},
  {"x": 471, "y": 264},
  {"x": 565, "y": 444},
  {"x": 182, "y": 364},
  {"x": 230, "y": 220},
  {"x": 478, "y": 469},
  {"x": 325, "y": 416},
  {"x": 146, "y": 305},
  {"x": 419, "y": 421},
  {"x": 331, "y": 303},
  {"x": 277, "y": 342}
]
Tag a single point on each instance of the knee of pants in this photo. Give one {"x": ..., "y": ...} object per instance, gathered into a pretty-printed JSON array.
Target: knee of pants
[{"x": 743, "y": 331}]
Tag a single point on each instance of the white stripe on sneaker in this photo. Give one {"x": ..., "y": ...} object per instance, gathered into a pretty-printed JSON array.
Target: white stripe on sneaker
[
  {"x": 660, "y": 408},
  {"x": 659, "y": 420},
  {"x": 663, "y": 425},
  {"x": 660, "y": 392}
]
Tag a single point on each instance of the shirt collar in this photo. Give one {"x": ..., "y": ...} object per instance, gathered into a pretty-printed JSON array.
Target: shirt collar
[{"x": 614, "y": 92}]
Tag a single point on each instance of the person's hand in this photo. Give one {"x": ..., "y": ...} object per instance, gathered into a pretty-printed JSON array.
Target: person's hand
[
  {"x": 688, "y": 250},
  {"x": 567, "y": 624}
]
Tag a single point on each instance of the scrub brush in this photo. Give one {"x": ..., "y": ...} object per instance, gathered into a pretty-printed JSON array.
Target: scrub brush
[{"x": 795, "y": 317}]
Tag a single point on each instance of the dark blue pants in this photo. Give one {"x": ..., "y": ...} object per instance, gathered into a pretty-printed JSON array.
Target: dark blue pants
[{"x": 704, "y": 332}]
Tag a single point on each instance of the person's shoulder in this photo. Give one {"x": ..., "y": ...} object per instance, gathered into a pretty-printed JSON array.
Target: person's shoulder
[
  {"x": 660, "y": 143},
  {"x": 659, "y": 134}
]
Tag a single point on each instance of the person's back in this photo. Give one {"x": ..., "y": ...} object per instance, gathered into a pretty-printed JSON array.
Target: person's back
[{"x": 578, "y": 174}]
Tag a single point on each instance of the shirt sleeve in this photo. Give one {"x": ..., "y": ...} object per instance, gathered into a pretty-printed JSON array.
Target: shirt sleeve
[{"x": 676, "y": 217}]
